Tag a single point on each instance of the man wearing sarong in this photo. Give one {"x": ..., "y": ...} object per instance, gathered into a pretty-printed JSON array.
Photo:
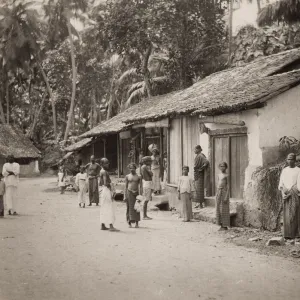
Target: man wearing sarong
[
  {"x": 289, "y": 185},
  {"x": 132, "y": 190},
  {"x": 155, "y": 168},
  {"x": 200, "y": 165},
  {"x": 93, "y": 170},
  {"x": 147, "y": 184},
  {"x": 107, "y": 209},
  {"x": 11, "y": 171}
]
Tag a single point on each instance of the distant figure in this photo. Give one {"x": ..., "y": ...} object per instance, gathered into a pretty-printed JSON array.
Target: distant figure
[
  {"x": 132, "y": 190},
  {"x": 165, "y": 168},
  {"x": 93, "y": 170},
  {"x": 62, "y": 178},
  {"x": 289, "y": 185},
  {"x": 200, "y": 164},
  {"x": 2, "y": 192},
  {"x": 81, "y": 182},
  {"x": 186, "y": 190},
  {"x": 147, "y": 175},
  {"x": 141, "y": 155},
  {"x": 107, "y": 210},
  {"x": 155, "y": 168},
  {"x": 11, "y": 171},
  {"x": 222, "y": 198}
]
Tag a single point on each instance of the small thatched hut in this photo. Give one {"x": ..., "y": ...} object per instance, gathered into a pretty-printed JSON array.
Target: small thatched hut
[{"x": 13, "y": 142}]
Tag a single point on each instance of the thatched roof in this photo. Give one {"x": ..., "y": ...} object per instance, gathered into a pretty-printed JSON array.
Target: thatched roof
[
  {"x": 223, "y": 92},
  {"x": 80, "y": 144},
  {"x": 14, "y": 142}
]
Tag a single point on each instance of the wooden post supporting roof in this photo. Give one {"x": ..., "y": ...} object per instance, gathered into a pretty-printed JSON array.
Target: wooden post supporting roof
[{"x": 223, "y": 119}]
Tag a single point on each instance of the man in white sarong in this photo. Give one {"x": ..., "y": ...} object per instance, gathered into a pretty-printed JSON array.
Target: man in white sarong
[
  {"x": 290, "y": 196},
  {"x": 11, "y": 171}
]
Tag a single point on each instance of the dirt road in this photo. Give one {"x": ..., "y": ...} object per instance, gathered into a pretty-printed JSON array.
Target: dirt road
[{"x": 55, "y": 251}]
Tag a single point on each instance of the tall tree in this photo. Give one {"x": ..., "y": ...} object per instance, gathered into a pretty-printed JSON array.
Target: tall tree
[{"x": 282, "y": 11}]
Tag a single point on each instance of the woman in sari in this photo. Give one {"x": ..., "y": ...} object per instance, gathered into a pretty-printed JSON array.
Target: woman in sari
[
  {"x": 289, "y": 185},
  {"x": 132, "y": 190},
  {"x": 107, "y": 210}
]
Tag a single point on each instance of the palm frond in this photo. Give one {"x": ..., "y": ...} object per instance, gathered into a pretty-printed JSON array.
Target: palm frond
[
  {"x": 128, "y": 75},
  {"x": 135, "y": 86},
  {"x": 136, "y": 95},
  {"x": 286, "y": 11}
]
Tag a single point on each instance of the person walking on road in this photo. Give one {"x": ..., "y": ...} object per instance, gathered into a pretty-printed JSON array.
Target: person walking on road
[
  {"x": 11, "y": 171},
  {"x": 93, "y": 170},
  {"x": 81, "y": 184},
  {"x": 107, "y": 209},
  {"x": 2, "y": 192}
]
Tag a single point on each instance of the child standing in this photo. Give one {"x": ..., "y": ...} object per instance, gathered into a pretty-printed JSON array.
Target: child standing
[
  {"x": 62, "y": 179},
  {"x": 81, "y": 182},
  {"x": 2, "y": 192},
  {"x": 132, "y": 190},
  {"x": 222, "y": 198},
  {"x": 186, "y": 190}
]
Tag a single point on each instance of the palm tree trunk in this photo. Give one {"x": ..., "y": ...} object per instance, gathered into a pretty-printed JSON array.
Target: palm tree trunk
[
  {"x": 74, "y": 76},
  {"x": 230, "y": 30},
  {"x": 146, "y": 72},
  {"x": 258, "y": 6},
  {"x": 7, "y": 101},
  {"x": 36, "y": 117},
  {"x": 51, "y": 100},
  {"x": 2, "y": 116}
]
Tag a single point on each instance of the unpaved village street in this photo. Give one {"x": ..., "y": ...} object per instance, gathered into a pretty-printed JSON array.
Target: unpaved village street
[{"x": 56, "y": 251}]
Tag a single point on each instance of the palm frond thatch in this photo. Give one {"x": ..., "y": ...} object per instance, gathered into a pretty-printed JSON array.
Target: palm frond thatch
[{"x": 285, "y": 11}]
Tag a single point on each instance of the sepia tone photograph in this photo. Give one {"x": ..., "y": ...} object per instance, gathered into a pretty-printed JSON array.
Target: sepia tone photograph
[{"x": 149, "y": 149}]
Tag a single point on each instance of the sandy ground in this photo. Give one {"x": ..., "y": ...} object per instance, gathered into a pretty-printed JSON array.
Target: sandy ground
[{"x": 55, "y": 250}]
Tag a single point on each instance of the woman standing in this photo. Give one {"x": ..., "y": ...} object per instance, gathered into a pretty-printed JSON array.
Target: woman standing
[
  {"x": 155, "y": 167},
  {"x": 132, "y": 190},
  {"x": 222, "y": 198},
  {"x": 107, "y": 210}
]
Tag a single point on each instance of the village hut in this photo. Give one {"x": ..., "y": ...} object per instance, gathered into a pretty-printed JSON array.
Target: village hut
[
  {"x": 237, "y": 115},
  {"x": 13, "y": 142}
]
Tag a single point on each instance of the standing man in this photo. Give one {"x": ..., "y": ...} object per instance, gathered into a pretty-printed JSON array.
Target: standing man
[
  {"x": 200, "y": 165},
  {"x": 289, "y": 186},
  {"x": 93, "y": 170},
  {"x": 11, "y": 171},
  {"x": 147, "y": 183}
]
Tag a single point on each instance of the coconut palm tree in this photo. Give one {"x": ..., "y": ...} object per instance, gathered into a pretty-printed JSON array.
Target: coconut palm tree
[
  {"x": 65, "y": 10},
  {"x": 20, "y": 31},
  {"x": 283, "y": 11}
]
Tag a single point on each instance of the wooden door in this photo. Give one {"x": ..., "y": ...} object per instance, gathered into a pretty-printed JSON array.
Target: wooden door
[
  {"x": 221, "y": 154},
  {"x": 232, "y": 149},
  {"x": 238, "y": 165}
]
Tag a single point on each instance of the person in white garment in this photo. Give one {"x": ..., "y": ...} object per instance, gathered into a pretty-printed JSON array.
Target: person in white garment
[
  {"x": 290, "y": 196},
  {"x": 11, "y": 171},
  {"x": 81, "y": 182}
]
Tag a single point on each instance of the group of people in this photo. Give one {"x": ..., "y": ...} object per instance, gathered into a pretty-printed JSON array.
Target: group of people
[{"x": 9, "y": 186}]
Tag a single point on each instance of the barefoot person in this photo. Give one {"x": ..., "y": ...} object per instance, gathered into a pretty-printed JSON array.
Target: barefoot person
[
  {"x": 81, "y": 184},
  {"x": 289, "y": 185},
  {"x": 93, "y": 170},
  {"x": 147, "y": 183},
  {"x": 62, "y": 178},
  {"x": 155, "y": 168},
  {"x": 107, "y": 210},
  {"x": 132, "y": 190},
  {"x": 200, "y": 164},
  {"x": 222, "y": 198},
  {"x": 11, "y": 171},
  {"x": 186, "y": 191}
]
